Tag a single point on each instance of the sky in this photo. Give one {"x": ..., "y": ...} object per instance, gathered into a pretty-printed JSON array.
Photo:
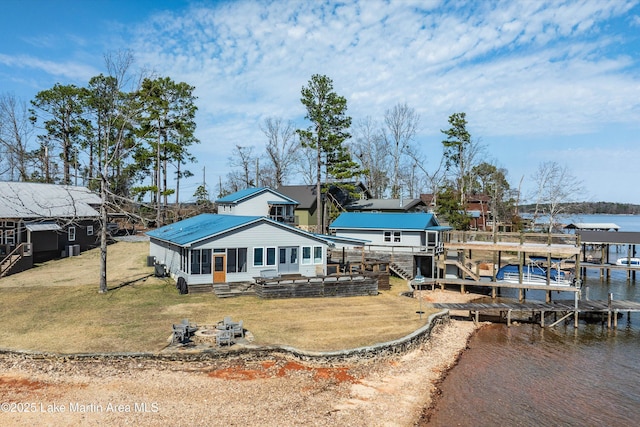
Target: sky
[{"x": 538, "y": 80}]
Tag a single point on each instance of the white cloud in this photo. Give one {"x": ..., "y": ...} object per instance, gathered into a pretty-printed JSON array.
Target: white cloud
[
  {"x": 76, "y": 71},
  {"x": 516, "y": 68}
]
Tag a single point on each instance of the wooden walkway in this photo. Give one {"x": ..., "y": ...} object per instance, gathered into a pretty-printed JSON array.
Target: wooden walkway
[
  {"x": 463, "y": 283},
  {"x": 568, "y": 307}
]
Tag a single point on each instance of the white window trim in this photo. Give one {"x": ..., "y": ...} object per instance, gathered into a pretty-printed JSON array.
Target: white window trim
[
  {"x": 307, "y": 261},
  {"x": 313, "y": 255},
  {"x": 275, "y": 256},
  {"x": 262, "y": 261},
  {"x": 71, "y": 234},
  {"x": 89, "y": 230}
]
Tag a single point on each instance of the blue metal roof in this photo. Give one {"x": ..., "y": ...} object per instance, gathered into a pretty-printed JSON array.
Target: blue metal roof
[
  {"x": 247, "y": 193},
  {"x": 200, "y": 227},
  {"x": 239, "y": 195},
  {"x": 386, "y": 221},
  {"x": 204, "y": 226}
]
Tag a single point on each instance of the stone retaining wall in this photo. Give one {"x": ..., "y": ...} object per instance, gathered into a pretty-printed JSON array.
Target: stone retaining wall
[{"x": 395, "y": 347}]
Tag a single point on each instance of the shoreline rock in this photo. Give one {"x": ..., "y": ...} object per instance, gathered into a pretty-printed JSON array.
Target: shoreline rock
[{"x": 393, "y": 390}]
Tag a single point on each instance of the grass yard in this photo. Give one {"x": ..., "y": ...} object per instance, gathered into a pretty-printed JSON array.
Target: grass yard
[{"x": 56, "y": 307}]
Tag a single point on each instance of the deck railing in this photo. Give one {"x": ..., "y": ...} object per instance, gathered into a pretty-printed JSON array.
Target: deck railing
[
  {"x": 456, "y": 236},
  {"x": 7, "y": 263}
]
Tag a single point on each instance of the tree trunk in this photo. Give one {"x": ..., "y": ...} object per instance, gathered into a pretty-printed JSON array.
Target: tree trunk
[
  {"x": 318, "y": 191},
  {"x": 103, "y": 231}
]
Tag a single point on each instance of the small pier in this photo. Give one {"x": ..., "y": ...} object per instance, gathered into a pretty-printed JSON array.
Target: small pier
[
  {"x": 606, "y": 269},
  {"x": 540, "y": 310}
]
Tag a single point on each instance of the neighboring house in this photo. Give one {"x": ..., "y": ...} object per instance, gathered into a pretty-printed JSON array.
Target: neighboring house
[
  {"x": 477, "y": 208},
  {"x": 259, "y": 202},
  {"x": 386, "y": 230},
  {"x": 40, "y": 222},
  {"x": 305, "y": 195},
  {"x": 387, "y": 205},
  {"x": 215, "y": 248},
  {"x": 416, "y": 235},
  {"x": 305, "y": 211}
]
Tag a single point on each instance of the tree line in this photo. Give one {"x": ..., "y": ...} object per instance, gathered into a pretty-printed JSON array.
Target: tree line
[{"x": 128, "y": 133}]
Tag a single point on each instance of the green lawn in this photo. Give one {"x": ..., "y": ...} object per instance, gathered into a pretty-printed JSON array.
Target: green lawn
[{"x": 138, "y": 317}]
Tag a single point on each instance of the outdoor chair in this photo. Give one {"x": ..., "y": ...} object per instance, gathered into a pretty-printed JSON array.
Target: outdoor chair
[
  {"x": 190, "y": 329},
  {"x": 238, "y": 330},
  {"x": 179, "y": 334},
  {"x": 224, "y": 337}
]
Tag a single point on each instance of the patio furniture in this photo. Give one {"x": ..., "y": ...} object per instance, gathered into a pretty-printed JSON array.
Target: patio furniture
[
  {"x": 189, "y": 327},
  {"x": 237, "y": 329},
  {"x": 227, "y": 324},
  {"x": 224, "y": 337},
  {"x": 179, "y": 334}
]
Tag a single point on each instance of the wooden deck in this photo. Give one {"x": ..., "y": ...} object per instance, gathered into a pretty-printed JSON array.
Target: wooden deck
[
  {"x": 442, "y": 282},
  {"x": 568, "y": 307}
]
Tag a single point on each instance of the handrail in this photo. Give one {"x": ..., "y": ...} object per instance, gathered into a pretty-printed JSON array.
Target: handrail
[{"x": 21, "y": 249}]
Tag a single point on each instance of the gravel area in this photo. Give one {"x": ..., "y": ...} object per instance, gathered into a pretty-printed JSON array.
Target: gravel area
[{"x": 238, "y": 391}]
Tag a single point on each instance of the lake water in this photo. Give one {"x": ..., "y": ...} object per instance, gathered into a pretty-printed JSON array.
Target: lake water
[{"x": 529, "y": 376}]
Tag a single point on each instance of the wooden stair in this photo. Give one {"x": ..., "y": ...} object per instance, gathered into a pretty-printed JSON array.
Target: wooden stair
[
  {"x": 465, "y": 271},
  {"x": 400, "y": 271},
  {"x": 7, "y": 264},
  {"x": 200, "y": 289},
  {"x": 230, "y": 290}
]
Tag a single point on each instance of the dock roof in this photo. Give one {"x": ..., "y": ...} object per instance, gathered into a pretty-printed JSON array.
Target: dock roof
[{"x": 601, "y": 226}]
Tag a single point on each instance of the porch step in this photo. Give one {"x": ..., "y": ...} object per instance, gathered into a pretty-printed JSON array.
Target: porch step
[
  {"x": 200, "y": 289},
  {"x": 7, "y": 264},
  {"x": 229, "y": 290},
  {"x": 400, "y": 271}
]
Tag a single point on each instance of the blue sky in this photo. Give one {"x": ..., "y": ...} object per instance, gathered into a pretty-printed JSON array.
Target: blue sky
[{"x": 538, "y": 80}]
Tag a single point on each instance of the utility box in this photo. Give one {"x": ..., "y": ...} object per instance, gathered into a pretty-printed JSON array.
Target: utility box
[{"x": 151, "y": 260}]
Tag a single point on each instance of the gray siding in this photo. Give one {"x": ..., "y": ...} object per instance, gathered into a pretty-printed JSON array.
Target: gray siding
[
  {"x": 376, "y": 237},
  {"x": 258, "y": 205},
  {"x": 260, "y": 235}
]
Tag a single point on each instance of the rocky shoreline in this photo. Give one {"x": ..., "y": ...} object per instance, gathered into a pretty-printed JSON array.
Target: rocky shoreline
[{"x": 394, "y": 390}]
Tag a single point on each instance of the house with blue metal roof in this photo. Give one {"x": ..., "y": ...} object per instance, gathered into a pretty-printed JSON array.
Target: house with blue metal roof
[
  {"x": 390, "y": 229},
  {"x": 261, "y": 201},
  {"x": 416, "y": 235},
  {"x": 215, "y": 248}
]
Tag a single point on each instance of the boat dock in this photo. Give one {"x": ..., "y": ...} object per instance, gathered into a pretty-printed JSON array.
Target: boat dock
[
  {"x": 606, "y": 269},
  {"x": 540, "y": 310},
  {"x": 460, "y": 248}
]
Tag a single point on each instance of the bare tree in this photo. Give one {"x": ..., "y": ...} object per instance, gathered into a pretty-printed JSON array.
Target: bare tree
[
  {"x": 432, "y": 180},
  {"x": 246, "y": 168},
  {"x": 305, "y": 165},
  {"x": 372, "y": 151},
  {"x": 15, "y": 136},
  {"x": 281, "y": 148},
  {"x": 401, "y": 123},
  {"x": 114, "y": 112},
  {"x": 555, "y": 186}
]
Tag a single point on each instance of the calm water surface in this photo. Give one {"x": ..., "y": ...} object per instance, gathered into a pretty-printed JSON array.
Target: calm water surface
[{"x": 528, "y": 376}]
